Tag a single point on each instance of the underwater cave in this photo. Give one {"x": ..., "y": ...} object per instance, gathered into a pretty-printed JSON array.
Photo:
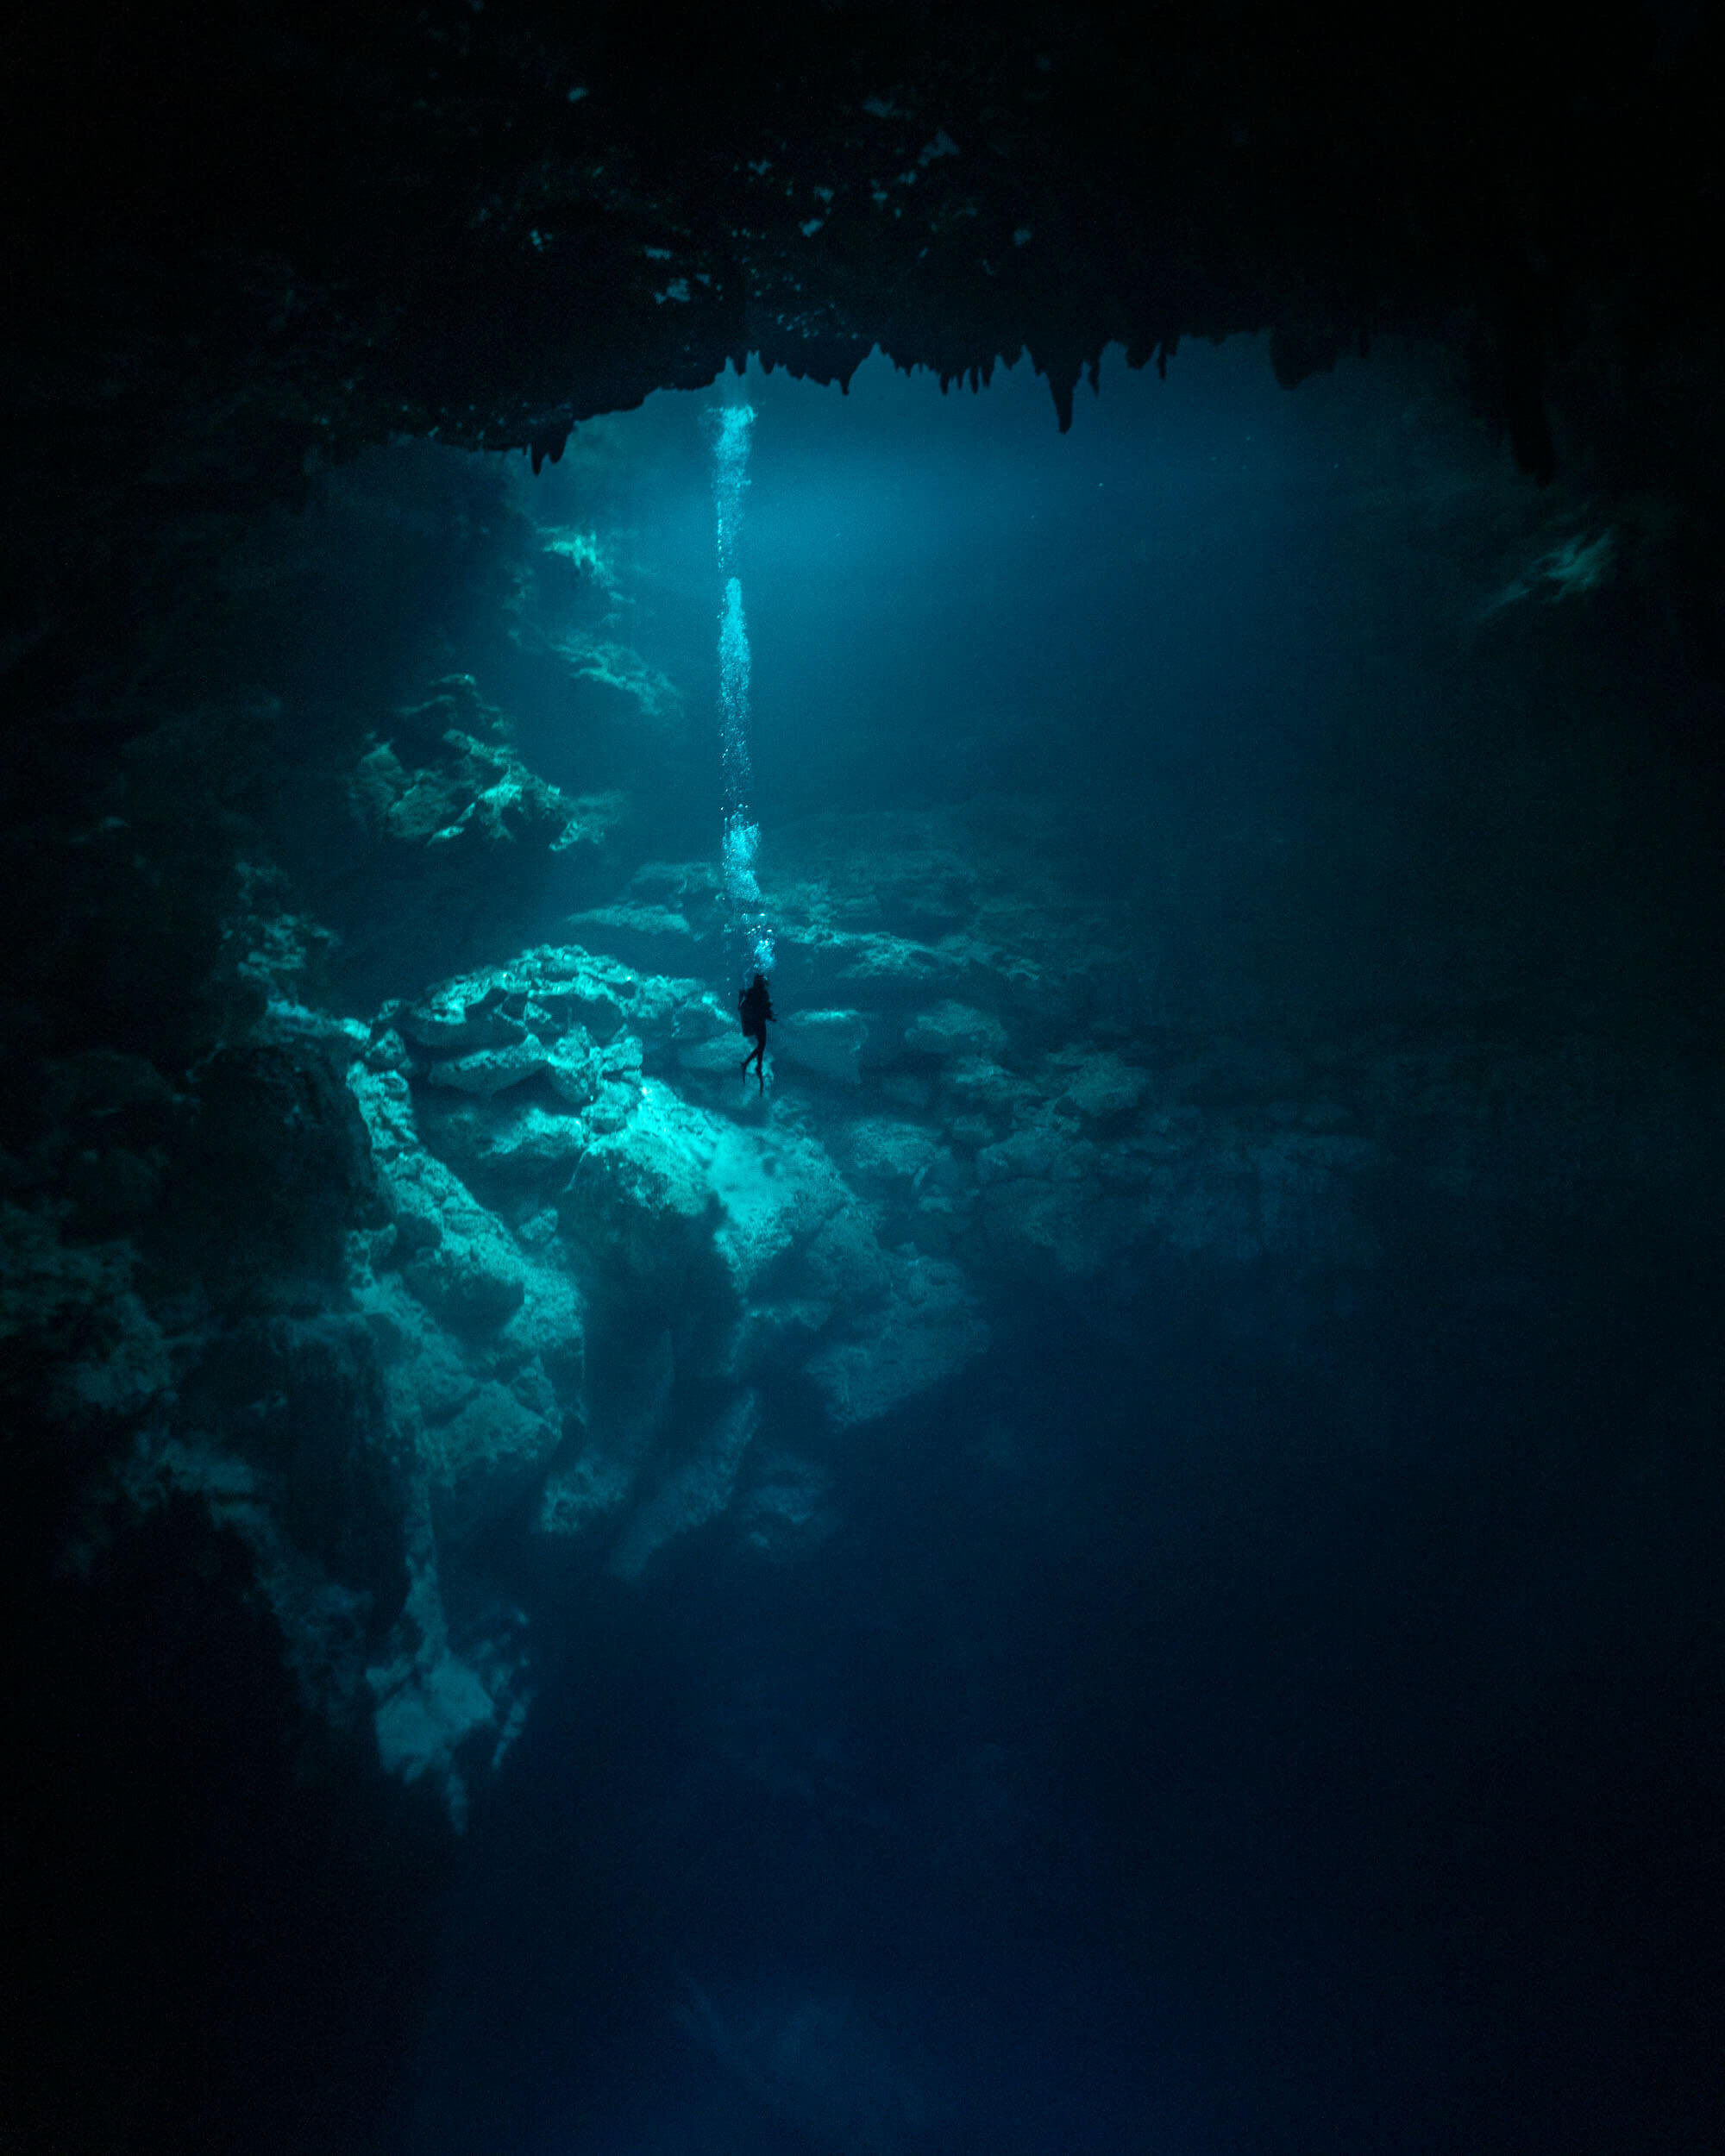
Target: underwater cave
[{"x": 1094, "y": 1523}]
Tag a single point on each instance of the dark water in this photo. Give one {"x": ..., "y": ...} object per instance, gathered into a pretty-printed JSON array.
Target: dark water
[
  {"x": 1328, "y": 1760},
  {"x": 1268, "y": 1698}
]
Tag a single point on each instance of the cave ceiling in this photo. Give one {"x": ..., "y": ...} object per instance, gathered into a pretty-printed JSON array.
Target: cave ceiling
[{"x": 243, "y": 239}]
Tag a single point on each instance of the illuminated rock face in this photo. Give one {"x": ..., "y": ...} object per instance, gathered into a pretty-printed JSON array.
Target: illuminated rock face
[{"x": 669, "y": 1203}]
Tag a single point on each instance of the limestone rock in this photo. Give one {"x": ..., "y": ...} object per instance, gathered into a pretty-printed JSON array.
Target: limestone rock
[
  {"x": 624, "y": 685},
  {"x": 548, "y": 1329},
  {"x": 126, "y": 1367},
  {"x": 323, "y": 1622},
  {"x": 891, "y": 972},
  {"x": 510, "y": 1145},
  {"x": 427, "y": 1373},
  {"x": 926, "y": 1332},
  {"x": 463, "y": 1266},
  {"x": 303, "y": 1400},
  {"x": 72, "y": 1308},
  {"x": 433, "y": 780},
  {"x": 651, "y": 936},
  {"x": 482, "y": 1424},
  {"x": 776, "y": 1190},
  {"x": 487, "y": 1457},
  {"x": 582, "y": 1495},
  {"x": 642, "y": 1186},
  {"x": 691, "y": 1491},
  {"x": 573, "y": 1065},
  {"x": 953, "y": 1030},
  {"x": 879, "y": 1150},
  {"x": 546, "y": 991},
  {"x": 844, "y": 1263},
  {"x": 279, "y": 1167},
  {"x": 483, "y": 1344},
  {"x": 470, "y": 1276},
  {"x": 1101, "y": 1088},
  {"x": 489, "y": 1071},
  {"x": 975, "y": 1093},
  {"x": 1049, "y": 1149},
  {"x": 765, "y": 1332},
  {"x": 426, "y": 1719},
  {"x": 480, "y": 1011},
  {"x": 719, "y": 1055},
  {"x": 438, "y": 1705},
  {"x": 827, "y": 1043}
]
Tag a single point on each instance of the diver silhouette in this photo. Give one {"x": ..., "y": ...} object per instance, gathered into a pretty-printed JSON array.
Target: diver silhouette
[{"x": 755, "y": 1007}]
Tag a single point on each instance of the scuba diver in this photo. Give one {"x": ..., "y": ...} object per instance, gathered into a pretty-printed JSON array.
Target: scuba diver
[{"x": 755, "y": 1007}]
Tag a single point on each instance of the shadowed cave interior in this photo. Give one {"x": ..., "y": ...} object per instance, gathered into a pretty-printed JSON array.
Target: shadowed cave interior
[{"x": 1123, "y": 1554}]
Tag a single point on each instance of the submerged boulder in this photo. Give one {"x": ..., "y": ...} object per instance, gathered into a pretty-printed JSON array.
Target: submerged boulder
[
  {"x": 510, "y": 1147},
  {"x": 489, "y": 1071},
  {"x": 641, "y": 1190},
  {"x": 575, "y": 1068},
  {"x": 826, "y": 1044},
  {"x": 456, "y": 1257}
]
